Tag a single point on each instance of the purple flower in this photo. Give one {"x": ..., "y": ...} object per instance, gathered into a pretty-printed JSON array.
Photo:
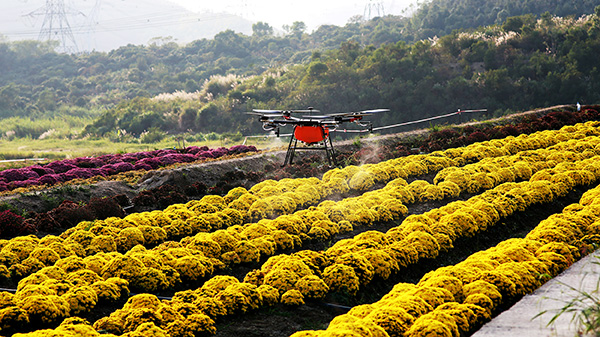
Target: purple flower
[
  {"x": 169, "y": 159},
  {"x": 123, "y": 167},
  {"x": 242, "y": 149},
  {"x": 142, "y": 166},
  {"x": 177, "y": 158},
  {"x": 87, "y": 162},
  {"x": 48, "y": 179},
  {"x": 205, "y": 154},
  {"x": 61, "y": 166},
  {"x": 78, "y": 173},
  {"x": 41, "y": 170},
  {"x": 19, "y": 174},
  {"x": 114, "y": 159},
  {"x": 142, "y": 155},
  {"x": 116, "y": 168},
  {"x": 97, "y": 172},
  {"x": 163, "y": 152},
  {"x": 108, "y": 169},
  {"x": 23, "y": 183},
  {"x": 154, "y": 163},
  {"x": 104, "y": 159},
  {"x": 192, "y": 149},
  {"x": 129, "y": 158},
  {"x": 220, "y": 152}
]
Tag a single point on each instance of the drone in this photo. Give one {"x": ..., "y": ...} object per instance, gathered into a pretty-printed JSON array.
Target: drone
[{"x": 310, "y": 129}]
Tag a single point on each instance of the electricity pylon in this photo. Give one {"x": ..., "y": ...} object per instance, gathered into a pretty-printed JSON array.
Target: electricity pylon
[
  {"x": 92, "y": 22},
  {"x": 374, "y": 8},
  {"x": 56, "y": 26}
]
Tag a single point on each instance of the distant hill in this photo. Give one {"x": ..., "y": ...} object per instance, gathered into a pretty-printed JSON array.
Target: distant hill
[{"x": 107, "y": 24}]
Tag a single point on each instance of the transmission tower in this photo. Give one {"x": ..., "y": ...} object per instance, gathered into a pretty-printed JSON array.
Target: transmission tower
[
  {"x": 241, "y": 8},
  {"x": 92, "y": 22},
  {"x": 56, "y": 26},
  {"x": 374, "y": 8}
]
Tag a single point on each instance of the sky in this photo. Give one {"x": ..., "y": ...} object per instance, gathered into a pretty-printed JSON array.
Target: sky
[
  {"x": 312, "y": 12},
  {"x": 105, "y": 25}
]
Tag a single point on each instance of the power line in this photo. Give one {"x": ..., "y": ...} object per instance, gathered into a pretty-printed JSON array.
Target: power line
[{"x": 154, "y": 20}]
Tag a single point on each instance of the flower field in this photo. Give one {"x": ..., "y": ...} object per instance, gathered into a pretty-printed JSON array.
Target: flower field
[
  {"x": 106, "y": 165},
  {"x": 181, "y": 270}
]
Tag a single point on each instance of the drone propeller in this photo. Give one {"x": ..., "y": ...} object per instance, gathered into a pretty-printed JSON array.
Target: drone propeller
[
  {"x": 372, "y": 111},
  {"x": 350, "y": 114},
  {"x": 305, "y": 111},
  {"x": 262, "y": 111},
  {"x": 256, "y": 113}
]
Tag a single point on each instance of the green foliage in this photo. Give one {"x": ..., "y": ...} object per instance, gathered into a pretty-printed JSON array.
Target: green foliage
[
  {"x": 525, "y": 57},
  {"x": 441, "y": 17},
  {"x": 154, "y": 135}
]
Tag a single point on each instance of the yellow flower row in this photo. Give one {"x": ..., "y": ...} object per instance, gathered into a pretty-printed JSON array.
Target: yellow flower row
[
  {"x": 521, "y": 166},
  {"x": 54, "y": 293},
  {"x": 456, "y": 300},
  {"x": 375, "y": 254},
  {"x": 199, "y": 266}
]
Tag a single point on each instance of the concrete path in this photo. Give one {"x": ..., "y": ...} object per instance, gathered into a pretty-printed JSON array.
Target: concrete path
[{"x": 583, "y": 276}]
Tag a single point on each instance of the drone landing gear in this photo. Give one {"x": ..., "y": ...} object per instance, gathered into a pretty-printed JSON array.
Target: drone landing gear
[{"x": 309, "y": 135}]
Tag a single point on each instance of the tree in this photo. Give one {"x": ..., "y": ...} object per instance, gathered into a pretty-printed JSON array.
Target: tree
[
  {"x": 206, "y": 117},
  {"x": 296, "y": 29},
  {"x": 261, "y": 29},
  {"x": 230, "y": 43},
  {"x": 317, "y": 68},
  {"x": 187, "y": 119},
  {"x": 513, "y": 24}
]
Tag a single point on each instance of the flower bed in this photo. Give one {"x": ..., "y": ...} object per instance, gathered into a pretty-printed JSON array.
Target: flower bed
[
  {"x": 476, "y": 287},
  {"x": 456, "y": 300},
  {"x": 232, "y": 241},
  {"x": 70, "y": 274},
  {"x": 106, "y": 165}
]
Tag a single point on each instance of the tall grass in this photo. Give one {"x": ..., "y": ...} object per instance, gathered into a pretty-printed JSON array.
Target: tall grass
[
  {"x": 583, "y": 308},
  {"x": 40, "y": 128}
]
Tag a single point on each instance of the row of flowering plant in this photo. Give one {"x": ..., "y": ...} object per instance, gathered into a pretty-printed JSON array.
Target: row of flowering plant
[
  {"x": 288, "y": 279},
  {"x": 86, "y": 167},
  {"x": 353, "y": 263},
  {"x": 248, "y": 242},
  {"x": 457, "y": 300},
  {"x": 195, "y": 257},
  {"x": 449, "y": 301},
  {"x": 461, "y": 136},
  {"x": 55, "y": 291},
  {"x": 492, "y": 171}
]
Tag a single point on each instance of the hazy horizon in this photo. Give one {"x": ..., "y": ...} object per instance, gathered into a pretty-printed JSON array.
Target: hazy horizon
[{"x": 105, "y": 25}]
